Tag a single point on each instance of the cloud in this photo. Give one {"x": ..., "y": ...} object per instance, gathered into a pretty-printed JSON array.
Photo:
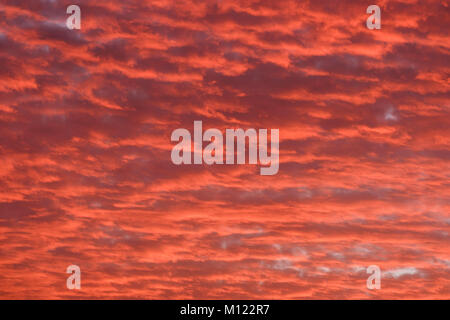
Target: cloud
[
  {"x": 85, "y": 172},
  {"x": 400, "y": 272}
]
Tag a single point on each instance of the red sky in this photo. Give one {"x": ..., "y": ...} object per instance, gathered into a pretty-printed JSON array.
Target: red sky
[{"x": 86, "y": 176}]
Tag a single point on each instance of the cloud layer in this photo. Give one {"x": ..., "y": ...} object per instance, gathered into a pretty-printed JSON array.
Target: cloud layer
[{"x": 85, "y": 171}]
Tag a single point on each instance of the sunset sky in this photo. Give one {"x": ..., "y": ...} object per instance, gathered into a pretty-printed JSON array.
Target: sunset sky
[{"x": 86, "y": 176}]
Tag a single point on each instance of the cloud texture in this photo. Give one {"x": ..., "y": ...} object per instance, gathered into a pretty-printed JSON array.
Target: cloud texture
[{"x": 85, "y": 171}]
